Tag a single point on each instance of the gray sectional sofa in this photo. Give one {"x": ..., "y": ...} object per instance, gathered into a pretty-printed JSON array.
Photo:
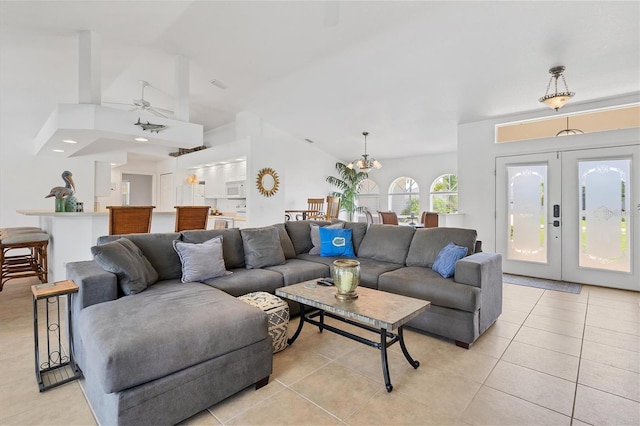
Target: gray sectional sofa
[{"x": 174, "y": 349}]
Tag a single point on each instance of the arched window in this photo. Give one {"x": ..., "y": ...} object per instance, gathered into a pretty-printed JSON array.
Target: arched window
[
  {"x": 444, "y": 194},
  {"x": 404, "y": 199},
  {"x": 369, "y": 198}
]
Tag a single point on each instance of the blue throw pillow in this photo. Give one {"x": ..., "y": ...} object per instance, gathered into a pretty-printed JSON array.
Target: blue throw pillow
[
  {"x": 336, "y": 242},
  {"x": 445, "y": 263}
]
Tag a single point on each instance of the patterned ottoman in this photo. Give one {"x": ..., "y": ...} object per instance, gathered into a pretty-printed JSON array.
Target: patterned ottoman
[{"x": 278, "y": 312}]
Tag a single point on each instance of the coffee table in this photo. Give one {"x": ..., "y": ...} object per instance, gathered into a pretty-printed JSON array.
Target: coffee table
[{"x": 376, "y": 311}]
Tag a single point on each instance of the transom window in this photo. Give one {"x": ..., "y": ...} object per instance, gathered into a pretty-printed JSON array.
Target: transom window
[
  {"x": 444, "y": 194},
  {"x": 404, "y": 199}
]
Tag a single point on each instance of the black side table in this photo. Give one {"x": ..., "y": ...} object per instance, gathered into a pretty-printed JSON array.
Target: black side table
[{"x": 58, "y": 368}]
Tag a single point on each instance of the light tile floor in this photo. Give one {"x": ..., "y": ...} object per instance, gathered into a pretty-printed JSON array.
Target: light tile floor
[{"x": 552, "y": 358}]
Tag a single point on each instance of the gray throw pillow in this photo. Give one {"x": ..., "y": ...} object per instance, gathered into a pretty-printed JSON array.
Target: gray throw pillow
[
  {"x": 262, "y": 247},
  {"x": 201, "y": 261},
  {"x": 315, "y": 235},
  {"x": 285, "y": 242},
  {"x": 123, "y": 258}
]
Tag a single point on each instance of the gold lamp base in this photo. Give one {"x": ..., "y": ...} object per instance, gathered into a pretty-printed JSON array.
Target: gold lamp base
[{"x": 347, "y": 296}]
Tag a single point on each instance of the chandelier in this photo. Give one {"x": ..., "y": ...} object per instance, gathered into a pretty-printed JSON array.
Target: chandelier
[
  {"x": 569, "y": 131},
  {"x": 558, "y": 99},
  {"x": 365, "y": 164}
]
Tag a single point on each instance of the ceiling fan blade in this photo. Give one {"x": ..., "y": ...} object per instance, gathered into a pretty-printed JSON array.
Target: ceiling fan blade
[
  {"x": 166, "y": 111},
  {"x": 117, "y": 103},
  {"x": 156, "y": 112}
]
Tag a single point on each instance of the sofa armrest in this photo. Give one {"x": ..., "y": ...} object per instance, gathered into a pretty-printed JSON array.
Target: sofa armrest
[
  {"x": 479, "y": 269},
  {"x": 483, "y": 270},
  {"x": 95, "y": 285}
]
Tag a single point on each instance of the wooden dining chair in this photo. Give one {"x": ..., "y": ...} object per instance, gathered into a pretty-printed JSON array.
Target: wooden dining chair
[
  {"x": 315, "y": 205},
  {"x": 369, "y": 216},
  {"x": 333, "y": 207},
  {"x": 388, "y": 218},
  {"x": 429, "y": 219},
  {"x": 191, "y": 217},
  {"x": 130, "y": 219}
]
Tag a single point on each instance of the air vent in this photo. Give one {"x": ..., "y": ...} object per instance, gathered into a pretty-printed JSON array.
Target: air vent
[{"x": 219, "y": 84}]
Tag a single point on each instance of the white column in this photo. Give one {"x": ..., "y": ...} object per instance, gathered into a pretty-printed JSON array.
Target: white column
[{"x": 90, "y": 72}]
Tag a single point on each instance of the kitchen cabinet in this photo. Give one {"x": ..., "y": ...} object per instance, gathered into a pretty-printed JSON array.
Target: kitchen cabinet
[{"x": 214, "y": 182}]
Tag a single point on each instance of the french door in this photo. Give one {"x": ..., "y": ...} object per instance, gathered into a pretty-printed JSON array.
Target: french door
[{"x": 571, "y": 215}]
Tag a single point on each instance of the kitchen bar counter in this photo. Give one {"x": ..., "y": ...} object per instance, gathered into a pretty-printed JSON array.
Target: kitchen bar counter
[{"x": 73, "y": 234}]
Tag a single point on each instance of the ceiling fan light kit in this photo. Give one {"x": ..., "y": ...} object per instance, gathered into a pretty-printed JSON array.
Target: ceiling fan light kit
[{"x": 557, "y": 99}]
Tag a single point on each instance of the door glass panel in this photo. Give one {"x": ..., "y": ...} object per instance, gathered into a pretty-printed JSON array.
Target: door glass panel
[
  {"x": 604, "y": 234},
  {"x": 527, "y": 213}
]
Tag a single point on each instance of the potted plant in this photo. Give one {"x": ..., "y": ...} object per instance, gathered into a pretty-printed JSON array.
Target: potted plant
[{"x": 349, "y": 186}]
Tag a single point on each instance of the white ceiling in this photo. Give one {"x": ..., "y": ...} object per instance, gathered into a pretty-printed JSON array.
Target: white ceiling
[{"x": 407, "y": 72}]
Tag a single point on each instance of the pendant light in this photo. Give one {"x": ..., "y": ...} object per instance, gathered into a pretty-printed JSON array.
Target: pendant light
[
  {"x": 557, "y": 99},
  {"x": 365, "y": 164}
]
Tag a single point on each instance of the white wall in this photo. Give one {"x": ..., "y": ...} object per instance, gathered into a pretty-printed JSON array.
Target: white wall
[
  {"x": 477, "y": 153},
  {"x": 26, "y": 179},
  {"x": 301, "y": 167}
]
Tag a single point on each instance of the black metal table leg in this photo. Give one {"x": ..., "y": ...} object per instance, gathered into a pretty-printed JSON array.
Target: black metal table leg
[
  {"x": 414, "y": 363},
  {"x": 385, "y": 363},
  {"x": 300, "y": 324},
  {"x": 35, "y": 341},
  {"x": 321, "y": 326}
]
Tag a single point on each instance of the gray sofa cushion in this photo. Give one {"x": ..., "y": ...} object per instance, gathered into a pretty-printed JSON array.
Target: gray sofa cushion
[
  {"x": 243, "y": 281},
  {"x": 371, "y": 270},
  {"x": 261, "y": 247},
  {"x": 287, "y": 246},
  {"x": 296, "y": 271},
  {"x": 232, "y": 249},
  {"x": 300, "y": 235},
  {"x": 158, "y": 249},
  {"x": 201, "y": 261},
  {"x": 387, "y": 243},
  {"x": 426, "y": 284},
  {"x": 123, "y": 258},
  {"x": 427, "y": 243},
  {"x": 359, "y": 230},
  {"x": 162, "y": 330}
]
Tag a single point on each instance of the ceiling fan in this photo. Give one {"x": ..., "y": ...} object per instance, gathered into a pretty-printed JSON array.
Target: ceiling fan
[{"x": 143, "y": 105}]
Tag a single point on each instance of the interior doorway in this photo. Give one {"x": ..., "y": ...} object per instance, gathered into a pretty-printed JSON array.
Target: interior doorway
[{"x": 137, "y": 190}]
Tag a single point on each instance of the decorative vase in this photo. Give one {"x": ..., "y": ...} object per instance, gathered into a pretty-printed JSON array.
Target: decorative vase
[
  {"x": 60, "y": 204},
  {"x": 346, "y": 277}
]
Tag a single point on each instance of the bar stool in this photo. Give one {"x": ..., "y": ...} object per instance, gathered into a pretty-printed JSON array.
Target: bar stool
[
  {"x": 191, "y": 217},
  {"x": 21, "y": 265},
  {"x": 130, "y": 219}
]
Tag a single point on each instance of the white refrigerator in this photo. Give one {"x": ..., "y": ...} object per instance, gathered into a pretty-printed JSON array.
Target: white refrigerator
[{"x": 190, "y": 195}]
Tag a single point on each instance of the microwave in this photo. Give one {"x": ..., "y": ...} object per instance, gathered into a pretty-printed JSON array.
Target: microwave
[{"x": 235, "y": 189}]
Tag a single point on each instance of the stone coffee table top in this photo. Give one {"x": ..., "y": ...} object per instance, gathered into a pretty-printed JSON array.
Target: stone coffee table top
[{"x": 376, "y": 308}]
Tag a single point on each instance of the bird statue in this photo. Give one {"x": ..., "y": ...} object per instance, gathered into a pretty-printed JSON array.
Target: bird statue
[{"x": 66, "y": 192}]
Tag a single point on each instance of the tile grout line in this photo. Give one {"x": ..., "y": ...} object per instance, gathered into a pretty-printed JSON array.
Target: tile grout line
[{"x": 584, "y": 328}]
